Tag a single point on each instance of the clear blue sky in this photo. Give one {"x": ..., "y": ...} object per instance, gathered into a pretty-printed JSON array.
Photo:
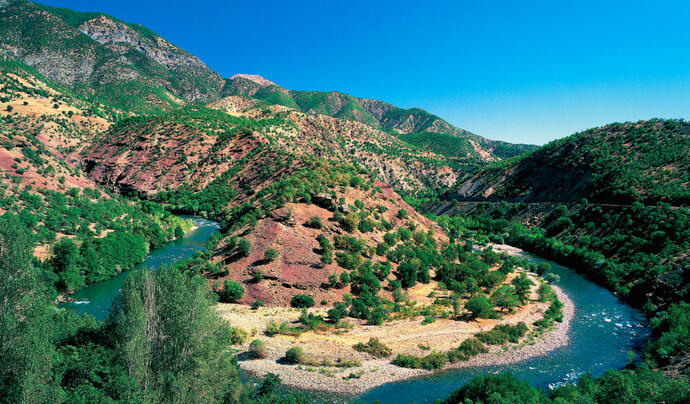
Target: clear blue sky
[{"x": 518, "y": 71}]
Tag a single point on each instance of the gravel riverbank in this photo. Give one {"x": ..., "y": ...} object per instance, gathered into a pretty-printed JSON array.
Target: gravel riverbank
[{"x": 375, "y": 372}]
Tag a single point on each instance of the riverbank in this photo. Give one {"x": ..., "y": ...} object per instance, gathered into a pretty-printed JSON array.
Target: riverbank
[{"x": 409, "y": 337}]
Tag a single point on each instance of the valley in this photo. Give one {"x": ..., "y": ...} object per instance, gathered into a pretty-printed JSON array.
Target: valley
[{"x": 167, "y": 233}]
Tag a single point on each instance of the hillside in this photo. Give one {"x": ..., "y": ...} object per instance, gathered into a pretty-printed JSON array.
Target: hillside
[
  {"x": 194, "y": 145},
  {"x": 645, "y": 161},
  {"x": 81, "y": 232},
  {"x": 375, "y": 113},
  {"x": 103, "y": 59}
]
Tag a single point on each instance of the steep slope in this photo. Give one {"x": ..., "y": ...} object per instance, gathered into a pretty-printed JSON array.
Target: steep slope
[
  {"x": 124, "y": 65},
  {"x": 375, "y": 113},
  {"x": 81, "y": 231},
  {"x": 645, "y": 161}
]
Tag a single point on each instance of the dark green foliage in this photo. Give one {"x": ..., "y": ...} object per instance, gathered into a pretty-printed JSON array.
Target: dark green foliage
[
  {"x": 26, "y": 351},
  {"x": 314, "y": 222},
  {"x": 641, "y": 385},
  {"x": 479, "y": 306},
  {"x": 672, "y": 328},
  {"x": 244, "y": 247},
  {"x": 294, "y": 355},
  {"x": 270, "y": 254},
  {"x": 302, "y": 301},
  {"x": 338, "y": 312},
  {"x": 502, "y": 388},
  {"x": 232, "y": 292},
  {"x": 505, "y": 298},
  {"x": 522, "y": 285},
  {"x": 502, "y": 334}
]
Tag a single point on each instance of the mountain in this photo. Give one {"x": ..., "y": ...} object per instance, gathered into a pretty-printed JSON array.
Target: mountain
[
  {"x": 104, "y": 59},
  {"x": 420, "y": 126},
  {"x": 131, "y": 68},
  {"x": 644, "y": 161}
]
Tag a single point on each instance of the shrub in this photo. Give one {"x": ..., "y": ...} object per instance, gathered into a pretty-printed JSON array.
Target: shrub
[
  {"x": 294, "y": 355},
  {"x": 232, "y": 291},
  {"x": 257, "y": 349},
  {"x": 244, "y": 247},
  {"x": 502, "y": 334},
  {"x": 338, "y": 312},
  {"x": 402, "y": 213},
  {"x": 270, "y": 254},
  {"x": 302, "y": 301},
  {"x": 314, "y": 222},
  {"x": 375, "y": 348},
  {"x": 257, "y": 303},
  {"x": 479, "y": 306}
]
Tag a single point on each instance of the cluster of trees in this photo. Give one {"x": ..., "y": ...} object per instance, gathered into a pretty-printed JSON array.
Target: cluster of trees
[
  {"x": 163, "y": 342},
  {"x": 130, "y": 228},
  {"x": 640, "y": 385}
]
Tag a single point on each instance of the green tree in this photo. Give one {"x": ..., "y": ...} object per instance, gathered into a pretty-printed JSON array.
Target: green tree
[
  {"x": 244, "y": 247},
  {"x": 270, "y": 255},
  {"x": 522, "y": 286},
  {"x": 232, "y": 291},
  {"x": 26, "y": 351},
  {"x": 479, "y": 306},
  {"x": 302, "y": 301},
  {"x": 505, "y": 297},
  {"x": 173, "y": 344}
]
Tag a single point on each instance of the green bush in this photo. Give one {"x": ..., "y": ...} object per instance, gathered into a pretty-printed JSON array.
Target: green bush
[
  {"x": 232, "y": 292},
  {"x": 302, "y": 301},
  {"x": 257, "y": 349},
  {"x": 244, "y": 247},
  {"x": 375, "y": 348},
  {"x": 314, "y": 222},
  {"x": 294, "y": 355},
  {"x": 270, "y": 255}
]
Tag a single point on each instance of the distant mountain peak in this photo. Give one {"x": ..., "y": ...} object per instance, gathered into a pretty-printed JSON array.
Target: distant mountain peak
[{"x": 253, "y": 77}]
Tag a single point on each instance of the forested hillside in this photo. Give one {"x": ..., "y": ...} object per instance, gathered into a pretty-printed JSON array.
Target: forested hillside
[{"x": 644, "y": 161}]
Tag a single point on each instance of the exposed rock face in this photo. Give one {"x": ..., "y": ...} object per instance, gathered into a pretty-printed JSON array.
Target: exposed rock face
[
  {"x": 255, "y": 78},
  {"x": 99, "y": 55}
]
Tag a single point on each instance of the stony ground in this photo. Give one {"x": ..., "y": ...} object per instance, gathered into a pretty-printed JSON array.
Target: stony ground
[{"x": 402, "y": 336}]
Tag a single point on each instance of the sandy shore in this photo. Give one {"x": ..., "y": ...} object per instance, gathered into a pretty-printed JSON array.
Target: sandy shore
[{"x": 402, "y": 336}]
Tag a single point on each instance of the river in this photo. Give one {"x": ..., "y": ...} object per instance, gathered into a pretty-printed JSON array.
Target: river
[
  {"x": 97, "y": 299},
  {"x": 602, "y": 331}
]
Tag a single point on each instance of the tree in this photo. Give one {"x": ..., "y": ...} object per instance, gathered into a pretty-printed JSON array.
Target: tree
[
  {"x": 522, "y": 286},
  {"x": 173, "y": 344},
  {"x": 479, "y": 306},
  {"x": 505, "y": 297},
  {"x": 332, "y": 280},
  {"x": 232, "y": 292},
  {"x": 338, "y": 312},
  {"x": 270, "y": 254},
  {"x": 26, "y": 351},
  {"x": 302, "y": 301},
  {"x": 402, "y": 213},
  {"x": 407, "y": 274},
  {"x": 65, "y": 263},
  {"x": 314, "y": 222},
  {"x": 344, "y": 278},
  {"x": 244, "y": 247},
  {"x": 351, "y": 222}
]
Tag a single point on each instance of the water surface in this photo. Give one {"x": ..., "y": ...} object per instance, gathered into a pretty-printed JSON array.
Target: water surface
[{"x": 97, "y": 299}]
